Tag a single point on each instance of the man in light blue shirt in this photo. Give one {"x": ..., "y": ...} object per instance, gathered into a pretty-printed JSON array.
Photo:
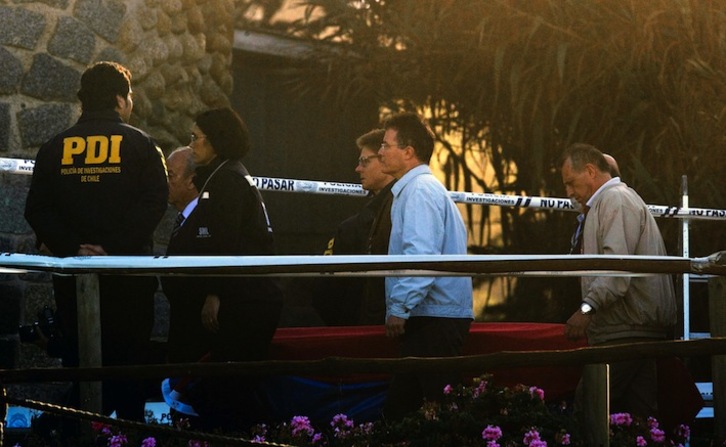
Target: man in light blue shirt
[{"x": 430, "y": 315}]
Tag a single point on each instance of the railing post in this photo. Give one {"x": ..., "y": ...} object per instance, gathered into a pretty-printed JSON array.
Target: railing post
[
  {"x": 716, "y": 311},
  {"x": 596, "y": 389},
  {"x": 89, "y": 337}
]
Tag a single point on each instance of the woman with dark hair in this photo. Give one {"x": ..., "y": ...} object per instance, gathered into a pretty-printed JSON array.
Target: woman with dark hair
[{"x": 221, "y": 319}]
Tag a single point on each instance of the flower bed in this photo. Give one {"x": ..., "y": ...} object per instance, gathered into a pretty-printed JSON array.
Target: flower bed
[{"x": 478, "y": 414}]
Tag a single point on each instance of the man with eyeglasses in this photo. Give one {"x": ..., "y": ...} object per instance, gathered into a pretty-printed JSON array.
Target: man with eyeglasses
[
  {"x": 430, "y": 316},
  {"x": 360, "y": 301}
]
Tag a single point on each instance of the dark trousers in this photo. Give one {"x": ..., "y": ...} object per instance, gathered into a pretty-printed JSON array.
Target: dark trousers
[
  {"x": 127, "y": 317},
  {"x": 633, "y": 387},
  {"x": 425, "y": 337}
]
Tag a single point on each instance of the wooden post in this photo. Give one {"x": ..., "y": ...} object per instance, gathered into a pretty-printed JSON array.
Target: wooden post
[
  {"x": 89, "y": 337},
  {"x": 717, "y": 321},
  {"x": 596, "y": 389}
]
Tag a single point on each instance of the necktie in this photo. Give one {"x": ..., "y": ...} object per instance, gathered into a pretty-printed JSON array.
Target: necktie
[
  {"x": 576, "y": 239},
  {"x": 177, "y": 224}
]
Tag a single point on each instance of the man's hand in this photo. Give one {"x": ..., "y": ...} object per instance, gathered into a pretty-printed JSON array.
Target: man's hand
[
  {"x": 91, "y": 250},
  {"x": 395, "y": 327},
  {"x": 210, "y": 312},
  {"x": 576, "y": 326}
]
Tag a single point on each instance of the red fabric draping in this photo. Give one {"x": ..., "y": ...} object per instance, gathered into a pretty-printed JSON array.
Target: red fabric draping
[
  {"x": 679, "y": 398},
  {"x": 313, "y": 343}
]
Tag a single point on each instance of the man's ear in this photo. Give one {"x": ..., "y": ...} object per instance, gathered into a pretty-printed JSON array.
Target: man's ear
[
  {"x": 591, "y": 169},
  {"x": 409, "y": 152},
  {"x": 120, "y": 102},
  {"x": 190, "y": 183}
]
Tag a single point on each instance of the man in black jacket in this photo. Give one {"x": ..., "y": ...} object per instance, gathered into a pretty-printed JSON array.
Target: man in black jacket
[
  {"x": 100, "y": 188},
  {"x": 360, "y": 301}
]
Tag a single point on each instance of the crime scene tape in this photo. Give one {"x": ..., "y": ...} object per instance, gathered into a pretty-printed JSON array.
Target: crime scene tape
[{"x": 21, "y": 166}]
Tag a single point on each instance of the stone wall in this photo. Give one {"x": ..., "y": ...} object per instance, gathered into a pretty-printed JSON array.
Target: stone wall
[{"x": 179, "y": 53}]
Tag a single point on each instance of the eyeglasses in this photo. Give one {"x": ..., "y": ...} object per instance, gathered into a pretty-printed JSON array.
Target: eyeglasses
[
  {"x": 195, "y": 137},
  {"x": 365, "y": 161},
  {"x": 385, "y": 146}
]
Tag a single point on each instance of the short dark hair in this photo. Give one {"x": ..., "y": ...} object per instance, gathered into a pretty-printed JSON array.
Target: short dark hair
[
  {"x": 371, "y": 140},
  {"x": 581, "y": 154},
  {"x": 413, "y": 131},
  {"x": 101, "y": 83},
  {"x": 226, "y": 132}
]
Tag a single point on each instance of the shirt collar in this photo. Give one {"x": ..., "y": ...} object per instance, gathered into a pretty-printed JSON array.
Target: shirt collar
[
  {"x": 408, "y": 177},
  {"x": 612, "y": 181},
  {"x": 190, "y": 207}
]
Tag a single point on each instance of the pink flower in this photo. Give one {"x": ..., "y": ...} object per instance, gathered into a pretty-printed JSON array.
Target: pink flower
[
  {"x": 301, "y": 425},
  {"x": 480, "y": 388},
  {"x": 536, "y": 392},
  {"x": 652, "y": 422},
  {"x": 448, "y": 389},
  {"x": 492, "y": 433},
  {"x": 565, "y": 439},
  {"x": 530, "y": 437},
  {"x": 657, "y": 435},
  {"x": 148, "y": 442},
  {"x": 621, "y": 419},
  {"x": 640, "y": 441}
]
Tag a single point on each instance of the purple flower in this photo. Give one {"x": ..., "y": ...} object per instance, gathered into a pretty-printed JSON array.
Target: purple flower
[
  {"x": 317, "y": 438},
  {"x": 259, "y": 439},
  {"x": 493, "y": 444},
  {"x": 684, "y": 431},
  {"x": 366, "y": 428},
  {"x": 342, "y": 421},
  {"x": 565, "y": 439},
  {"x": 538, "y": 443},
  {"x": 640, "y": 441},
  {"x": 621, "y": 419},
  {"x": 536, "y": 392},
  {"x": 148, "y": 442},
  {"x": 117, "y": 440},
  {"x": 657, "y": 435},
  {"x": 301, "y": 425},
  {"x": 492, "y": 433}
]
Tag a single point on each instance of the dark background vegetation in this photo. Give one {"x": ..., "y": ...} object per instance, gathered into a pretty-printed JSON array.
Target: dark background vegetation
[{"x": 510, "y": 84}]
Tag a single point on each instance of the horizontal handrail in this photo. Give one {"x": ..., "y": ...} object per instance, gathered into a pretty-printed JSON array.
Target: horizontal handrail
[
  {"x": 333, "y": 366},
  {"x": 370, "y": 265}
]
